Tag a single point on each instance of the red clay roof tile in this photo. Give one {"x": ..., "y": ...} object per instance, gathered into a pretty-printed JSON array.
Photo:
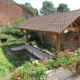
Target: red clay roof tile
[{"x": 53, "y": 23}]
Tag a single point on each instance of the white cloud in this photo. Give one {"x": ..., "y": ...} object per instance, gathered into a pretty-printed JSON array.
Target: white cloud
[{"x": 37, "y": 5}]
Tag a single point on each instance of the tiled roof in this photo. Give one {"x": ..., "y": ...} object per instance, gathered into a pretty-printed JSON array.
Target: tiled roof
[{"x": 53, "y": 23}]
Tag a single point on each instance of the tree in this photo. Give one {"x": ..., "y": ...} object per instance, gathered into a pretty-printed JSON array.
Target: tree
[
  {"x": 30, "y": 8},
  {"x": 47, "y": 8},
  {"x": 62, "y": 8}
]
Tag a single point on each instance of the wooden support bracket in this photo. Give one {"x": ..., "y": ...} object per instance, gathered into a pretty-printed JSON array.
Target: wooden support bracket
[
  {"x": 76, "y": 24},
  {"x": 23, "y": 31}
]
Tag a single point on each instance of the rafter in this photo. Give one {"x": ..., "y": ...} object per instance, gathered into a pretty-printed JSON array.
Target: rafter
[
  {"x": 76, "y": 24},
  {"x": 71, "y": 28}
]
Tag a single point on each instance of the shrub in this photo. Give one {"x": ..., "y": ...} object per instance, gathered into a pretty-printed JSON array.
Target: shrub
[
  {"x": 30, "y": 71},
  {"x": 11, "y": 29},
  {"x": 19, "y": 21},
  {"x": 36, "y": 70}
]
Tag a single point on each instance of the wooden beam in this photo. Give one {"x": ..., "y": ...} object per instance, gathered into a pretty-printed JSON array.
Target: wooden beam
[
  {"x": 71, "y": 28},
  {"x": 23, "y": 31},
  {"x": 27, "y": 40},
  {"x": 78, "y": 33},
  {"x": 76, "y": 24},
  {"x": 55, "y": 33},
  {"x": 58, "y": 43}
]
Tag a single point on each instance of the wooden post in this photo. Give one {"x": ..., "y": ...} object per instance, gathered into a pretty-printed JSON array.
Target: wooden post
[
  {"x": 78, "y": 33},
  {"x": 58, "y": 43},
  {"x": 43, "y": 33},
  {"x": 27, "y": 36}
]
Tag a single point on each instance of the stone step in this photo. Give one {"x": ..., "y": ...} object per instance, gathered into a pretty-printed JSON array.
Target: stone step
[{"x": 59, "y": 74}]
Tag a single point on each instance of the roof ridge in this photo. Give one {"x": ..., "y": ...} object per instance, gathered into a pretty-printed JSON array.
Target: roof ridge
[
  {"x": 54, "y": 13},
  {"x": 69, "y": 11}
]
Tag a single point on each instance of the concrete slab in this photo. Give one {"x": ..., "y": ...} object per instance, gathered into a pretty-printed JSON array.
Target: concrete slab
[
  {"x": 38, "y": 53},
  {"x": 17, "y": 48},
  {"x": 35, "y": 51},
  {"x": 59, "y": 74}
]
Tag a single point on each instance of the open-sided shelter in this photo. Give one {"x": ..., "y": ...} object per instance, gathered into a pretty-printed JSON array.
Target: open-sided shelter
[{"x": 54, "y": 25}]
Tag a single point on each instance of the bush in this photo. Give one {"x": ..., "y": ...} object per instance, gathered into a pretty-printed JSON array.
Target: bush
[
  {"x": 36, "y": 70},
  {"x": 19, "y": 21},
  {"x": 11, "y": 29},
  {"x": 29, "y": 71}
]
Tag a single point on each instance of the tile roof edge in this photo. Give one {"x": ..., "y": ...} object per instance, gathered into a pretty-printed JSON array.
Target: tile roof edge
[
  {"x": 54, "y": 13},
  {"x": 68, "y": 25}
]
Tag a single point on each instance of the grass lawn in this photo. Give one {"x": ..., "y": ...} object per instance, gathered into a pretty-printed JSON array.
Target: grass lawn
[
  {"x": 6, "y": 61},
  {"x": 10, "y": 60},
  {"x": 5, "y": 65}
]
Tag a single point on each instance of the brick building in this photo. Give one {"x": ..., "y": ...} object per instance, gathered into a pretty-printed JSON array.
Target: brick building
[{"x": 11, "y": 11}]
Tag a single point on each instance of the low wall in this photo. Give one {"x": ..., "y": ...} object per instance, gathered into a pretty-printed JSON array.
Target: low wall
[{"x": 73, "y": 44}]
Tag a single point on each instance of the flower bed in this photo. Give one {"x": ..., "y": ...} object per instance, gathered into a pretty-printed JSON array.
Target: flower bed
[
  {"x": 70, "y": 35},
  {"x": 36, "y": 70}
]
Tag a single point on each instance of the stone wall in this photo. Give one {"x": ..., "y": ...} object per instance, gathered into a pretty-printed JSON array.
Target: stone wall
[
  {"x": 73, "y": 44},
  {"x": 11, "y": 12}
]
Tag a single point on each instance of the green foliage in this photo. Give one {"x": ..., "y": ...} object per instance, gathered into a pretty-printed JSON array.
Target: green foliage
[
  {"x": 33, "y": 43},
  {"x": 62, "y": 8},
  {"x": 5, "y": 66},
  {"x": 30, "y": 8},
  {"x": 36, "y": 70},
  {"x": 53, "y": 50},
  {"x": 29, "y": 71},
  {"x": 19, "y": 21},
  {"x": 47, "y": 8},
  {"x": 11, "y": 29},
  {"x": 34, "y": 39}
]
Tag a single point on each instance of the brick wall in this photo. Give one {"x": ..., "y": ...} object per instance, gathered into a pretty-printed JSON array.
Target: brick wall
[{"x": 11, "y": 12}]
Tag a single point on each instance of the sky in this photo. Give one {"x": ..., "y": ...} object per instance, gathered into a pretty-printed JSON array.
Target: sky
[{"x": 72, "y": 4}]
